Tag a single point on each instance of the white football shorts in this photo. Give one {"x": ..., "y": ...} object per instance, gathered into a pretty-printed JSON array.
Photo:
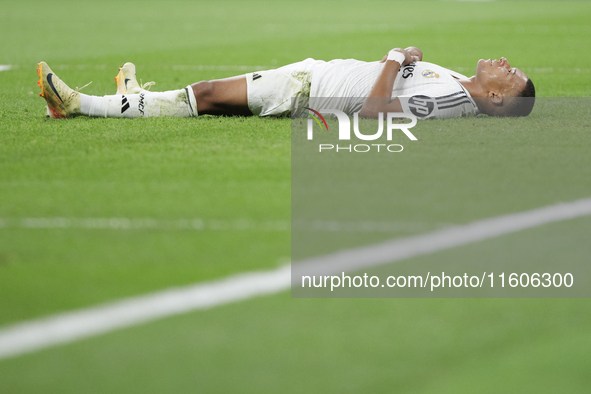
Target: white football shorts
[{"x": 270, "y": 92}]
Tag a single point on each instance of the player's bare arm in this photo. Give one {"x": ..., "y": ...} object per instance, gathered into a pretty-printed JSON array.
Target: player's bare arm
[{"x": 380, "y": 99}]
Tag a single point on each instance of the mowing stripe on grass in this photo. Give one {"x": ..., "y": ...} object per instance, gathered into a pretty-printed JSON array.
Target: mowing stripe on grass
[
  {"x": 119, "y": 223},
  {"x": 246, "y": 68},
  {"x": 536, "y": 70},
  {"x": 205, "y": 67},
  {"x": 34, "y": 335},
  {"x": 193, "y": 67}
]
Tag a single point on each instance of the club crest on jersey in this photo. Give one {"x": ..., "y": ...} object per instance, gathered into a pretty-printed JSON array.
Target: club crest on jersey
[{"x": 430, "y": 74}]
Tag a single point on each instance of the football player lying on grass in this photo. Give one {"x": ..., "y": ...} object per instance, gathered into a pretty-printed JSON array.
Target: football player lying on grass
[{"x": 400, "y": 82}]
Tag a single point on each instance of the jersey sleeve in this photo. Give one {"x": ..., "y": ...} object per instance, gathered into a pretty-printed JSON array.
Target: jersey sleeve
[{"x": 442, "y": 102}]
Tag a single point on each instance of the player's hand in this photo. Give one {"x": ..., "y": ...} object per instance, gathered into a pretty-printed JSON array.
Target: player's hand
[
  {"x": 407, "y": 56},
  {"x": 416, "y": 53}
]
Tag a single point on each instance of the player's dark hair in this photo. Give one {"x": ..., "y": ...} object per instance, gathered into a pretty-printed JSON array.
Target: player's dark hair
[{"x": 523, "y": 104}]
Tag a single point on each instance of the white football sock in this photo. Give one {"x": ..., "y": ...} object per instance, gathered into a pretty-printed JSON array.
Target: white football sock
[{"x": 179, "y": 103}]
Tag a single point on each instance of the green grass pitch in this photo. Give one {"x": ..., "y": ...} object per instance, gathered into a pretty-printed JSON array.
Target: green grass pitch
[{"x": 224, "y": 170}]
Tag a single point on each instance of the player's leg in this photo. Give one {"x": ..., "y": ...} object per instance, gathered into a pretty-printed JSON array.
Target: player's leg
[
  {"x": 262, "y": 93},
  {"x": 218, "y": 97},
  {"x": 222, "y": 97},
  {"x": 64, "y": 102}
]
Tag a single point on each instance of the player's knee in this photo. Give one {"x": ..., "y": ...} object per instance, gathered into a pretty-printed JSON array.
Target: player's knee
[{"x": 204, "y": 92}]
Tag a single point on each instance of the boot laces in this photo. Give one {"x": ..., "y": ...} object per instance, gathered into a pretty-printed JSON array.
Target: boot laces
[
  {"x": 78, "y": 89},
  {"x": 147, "y": 85}
]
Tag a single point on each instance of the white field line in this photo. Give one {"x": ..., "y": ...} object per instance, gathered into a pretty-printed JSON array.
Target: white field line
[
  {"x": 34, "y": 335},
  {"x": 435, "y": 241},
  {"x": 5, "y": 67},
  {"x": 67, "y": 327}
]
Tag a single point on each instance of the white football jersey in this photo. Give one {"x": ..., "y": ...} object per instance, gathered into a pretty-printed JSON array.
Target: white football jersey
[{"x": 424, "y": 89}]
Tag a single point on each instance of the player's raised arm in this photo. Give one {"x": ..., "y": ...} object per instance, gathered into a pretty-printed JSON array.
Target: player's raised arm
[{"x": 380, "y": 97}]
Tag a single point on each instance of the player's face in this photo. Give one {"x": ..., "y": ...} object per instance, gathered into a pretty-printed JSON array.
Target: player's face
[{"x": 498, "y": 76}]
